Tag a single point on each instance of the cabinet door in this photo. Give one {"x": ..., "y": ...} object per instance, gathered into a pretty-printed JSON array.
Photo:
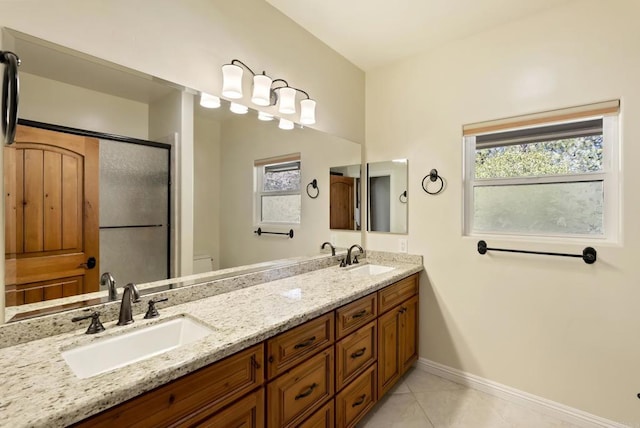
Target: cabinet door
[
  {"x": 408, "y": 333},
  {"x": 389, "y": 360},
  {"x": 245, "y": 413}
]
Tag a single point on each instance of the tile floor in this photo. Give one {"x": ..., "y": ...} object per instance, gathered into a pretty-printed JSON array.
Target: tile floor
[{"x": 422, "y": 400}]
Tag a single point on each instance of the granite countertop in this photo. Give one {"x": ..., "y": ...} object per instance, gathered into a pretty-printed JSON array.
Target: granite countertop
[{"x": 39, "y": 389}]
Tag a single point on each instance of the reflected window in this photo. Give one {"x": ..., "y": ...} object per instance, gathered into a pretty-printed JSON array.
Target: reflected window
[{"x": 278, "y": 198}]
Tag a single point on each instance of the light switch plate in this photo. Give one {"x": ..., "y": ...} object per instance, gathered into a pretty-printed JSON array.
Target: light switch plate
[{"x": 333, "y": 239}]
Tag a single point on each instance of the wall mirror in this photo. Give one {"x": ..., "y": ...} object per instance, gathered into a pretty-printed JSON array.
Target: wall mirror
[
  {"x": 387, "y": 196},
  {"x": 62, "y": 87},
  {"x": 345, "y": 197}
]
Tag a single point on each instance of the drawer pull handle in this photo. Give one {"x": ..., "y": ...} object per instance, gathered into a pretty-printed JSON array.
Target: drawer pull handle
[
  {"x": 254, "y": 363},
  {"x": 307, "y": 392},
  {"x": 360, "y": 314},
  {"x": 360, "y": 400},
  {"x": 305, "y": 343},
  {"x": 358, "y": 353}
]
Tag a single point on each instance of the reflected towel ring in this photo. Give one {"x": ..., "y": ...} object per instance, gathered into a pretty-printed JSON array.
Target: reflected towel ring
[
  {"x": 313, "y": 184},
  {"x": 403, "y": 195},
  {"x": 433, "y": 176}
]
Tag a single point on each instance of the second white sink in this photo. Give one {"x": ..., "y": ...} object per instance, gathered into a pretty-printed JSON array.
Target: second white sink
[
  {"x": 119, "y": 351},
  {"x": 370, "y": 269}
]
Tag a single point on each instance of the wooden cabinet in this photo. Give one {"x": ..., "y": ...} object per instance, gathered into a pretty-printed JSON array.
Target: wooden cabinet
[
  {"x": 296, "y": 345},
  {"x": 190, "y": 398},
  {"x": 311, "y": 382},
  {"x": 295, "y": 395},
  {"x": 397, "y": 293},
  {"x": 397, "y": 343},
  {"x": 351, "y": 317},
  {"x": 355, "y": 353},
  {"x": 356, "y": 399},
  {"x": 323, "y": 418},
  {"x": 246, "y": 413}
]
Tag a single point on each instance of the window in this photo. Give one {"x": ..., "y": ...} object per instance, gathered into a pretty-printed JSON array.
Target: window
[
  {"x": 554, "y": 177},
  {"x": 278, "y": 190}
]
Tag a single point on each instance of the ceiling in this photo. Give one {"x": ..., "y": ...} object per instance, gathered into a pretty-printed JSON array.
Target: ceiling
[{"x": 374, "y": 33}]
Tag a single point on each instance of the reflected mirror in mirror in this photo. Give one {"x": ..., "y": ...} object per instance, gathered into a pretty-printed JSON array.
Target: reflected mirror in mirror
[
  {"x": 344, "y": 197},
  {"x": 70, "y": 89},
  {"x": 387, "y": 196}
]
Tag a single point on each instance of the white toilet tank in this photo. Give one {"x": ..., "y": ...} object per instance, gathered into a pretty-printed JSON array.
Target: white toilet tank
[{"x": 202, "y": 263}]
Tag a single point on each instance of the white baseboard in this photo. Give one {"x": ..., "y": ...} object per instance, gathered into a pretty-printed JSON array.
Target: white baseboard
[{"x": 539, "y": 404}]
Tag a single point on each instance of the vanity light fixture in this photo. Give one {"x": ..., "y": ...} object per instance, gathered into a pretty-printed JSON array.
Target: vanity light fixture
[
  {"x": 209, "y": 101},
  {"x": 267, "y": 92},
  {"x": 264, "y": 116},
  {"x": 238, "y": 108},
  {"x": 285, "y": 124}
]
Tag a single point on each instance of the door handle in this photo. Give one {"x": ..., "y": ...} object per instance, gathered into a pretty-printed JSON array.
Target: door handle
[{"x": 90, "y": 264}]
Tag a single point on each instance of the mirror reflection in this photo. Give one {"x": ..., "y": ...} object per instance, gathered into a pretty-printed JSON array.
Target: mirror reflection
[
  {"x": 182, "y": 183},
  {"x": 387, "y": 196},
  {"x": 344, "y": 197}
]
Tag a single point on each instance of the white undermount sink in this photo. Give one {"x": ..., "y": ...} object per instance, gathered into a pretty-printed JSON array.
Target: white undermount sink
[
  {"x": 114, "y": 352},
  {"x": 370, "y": 269}
]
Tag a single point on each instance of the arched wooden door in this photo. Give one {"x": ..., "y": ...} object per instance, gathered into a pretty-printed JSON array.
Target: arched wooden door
[
  {"x": 51, "y": 216},
  {"x": 341, "y": 206}
]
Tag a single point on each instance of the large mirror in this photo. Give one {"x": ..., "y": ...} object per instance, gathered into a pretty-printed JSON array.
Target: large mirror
[
  {"x": 345, "y": 197},
  {"x": 387, "y": 196},
  {"x": 148, "y": 227}
]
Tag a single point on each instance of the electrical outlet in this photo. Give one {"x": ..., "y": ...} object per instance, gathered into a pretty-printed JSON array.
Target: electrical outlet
[
  {"x": 333, "y": 239},
  {"x": 403, "y": 245}
]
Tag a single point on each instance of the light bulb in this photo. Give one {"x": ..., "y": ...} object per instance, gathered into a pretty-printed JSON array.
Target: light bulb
[
  {"x": 287, "y": 100},
  {"x": 285, "y": 124},
  {"x": 265, "y": 116},
  {"x": 307, "y": 112},
  {"x": 261, "y": 90},
  {"x": 232, "y": 81},
  {"x": 209, "y": 101},
  {"x": 238, "y": 108}
]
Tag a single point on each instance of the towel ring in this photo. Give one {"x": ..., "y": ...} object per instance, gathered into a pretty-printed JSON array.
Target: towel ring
[
  {"x": 433, "y": 176},
  {"x": 314, "y": 185},
  {"x": 403, "y": 195}
]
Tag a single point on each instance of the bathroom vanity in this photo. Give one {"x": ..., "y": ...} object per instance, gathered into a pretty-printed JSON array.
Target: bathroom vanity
[{"x": 313, "y": 349}]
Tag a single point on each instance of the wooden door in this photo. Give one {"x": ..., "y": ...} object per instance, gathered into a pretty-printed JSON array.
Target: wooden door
[
  {"x": 341, "y": 206},
  {"x": 409, "y": 333},
  {"x": 389, "y": 359},
  {"x": 51, "y": 227}
]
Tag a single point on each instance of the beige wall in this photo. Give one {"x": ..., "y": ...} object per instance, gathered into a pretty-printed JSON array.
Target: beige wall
[
  {"x": 188, "y": 41},
  {"x": 244, "y": 141},
  {"x": 50, "y": 101},
  {"x": 206, "y": 169},
  {"x": 553, "y": 327}
]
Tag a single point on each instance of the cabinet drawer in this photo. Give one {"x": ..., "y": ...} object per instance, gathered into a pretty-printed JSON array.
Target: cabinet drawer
[
  {"x": 351, "y": 317},
  {"x": 296, "y": 345},
  {"x": 245, "y": 413},
  {"x": 298, "y": 393},
  {"x": 191, "y": 397},
  {"x": 356, "y": 399},
  {"x": 322, "y": 418},
  {"x": 355, "y": 353},
  {"x": 397, "y": 293}
]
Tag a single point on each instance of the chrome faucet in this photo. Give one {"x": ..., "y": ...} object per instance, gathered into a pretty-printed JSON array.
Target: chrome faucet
[
  {"x": 348, "y": 259},
  {"x": 333, "y": 249},
  {"x": 126, "y": 314},
  {"x": 109, "y": 280}
]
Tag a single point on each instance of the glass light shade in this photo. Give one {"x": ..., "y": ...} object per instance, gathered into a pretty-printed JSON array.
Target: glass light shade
[
  {"x": 238, "y": 108},
  {"x": 209, "y": 101},
  {"x": 307, "y": 112},
  {"x": 232, "y": 81},
  {"x": 285, "y": 124},
  {"x": 261, "y": 90},
  {"x": 287, "y": 101},
  {"x": 265, "y": 116}
]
